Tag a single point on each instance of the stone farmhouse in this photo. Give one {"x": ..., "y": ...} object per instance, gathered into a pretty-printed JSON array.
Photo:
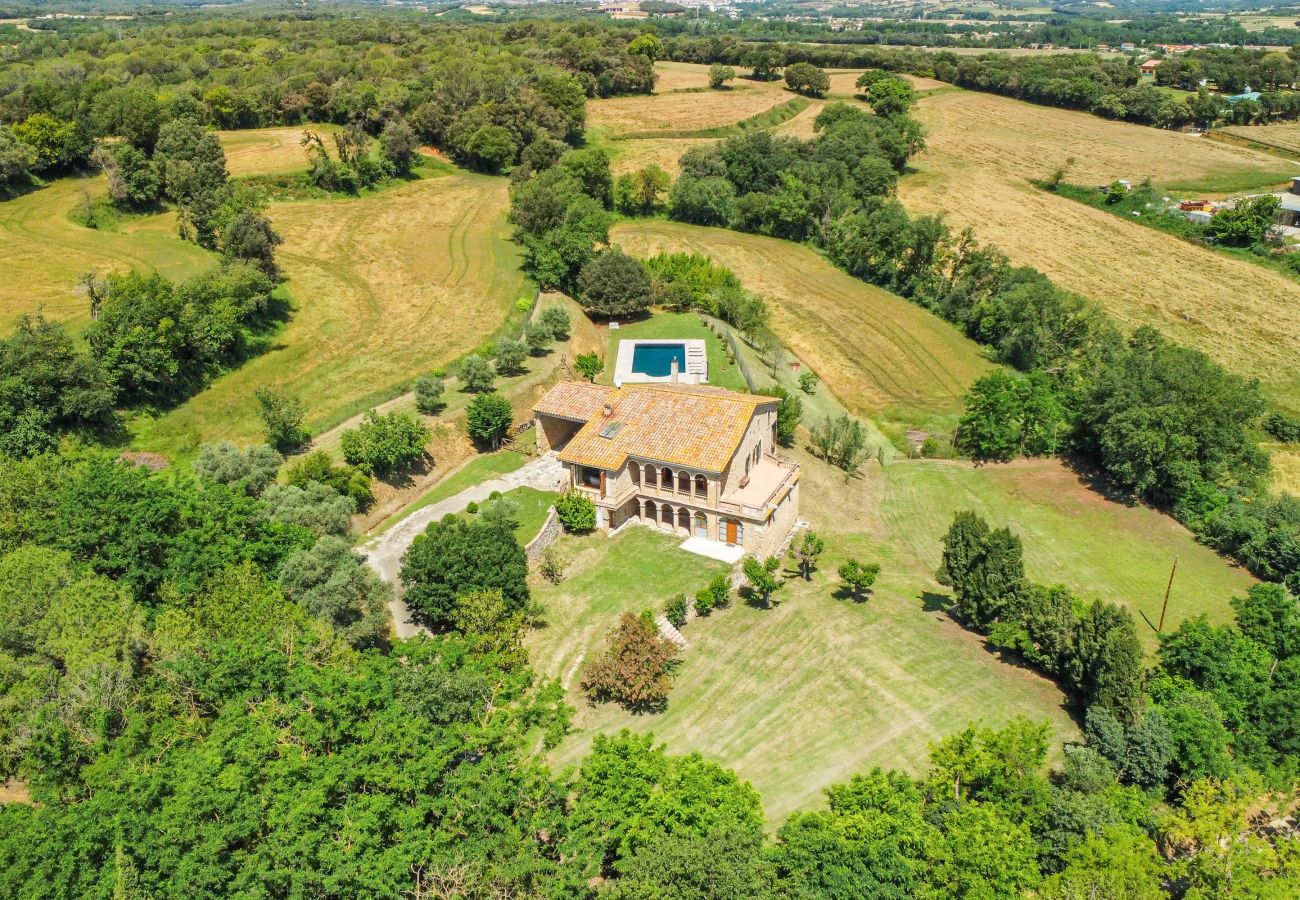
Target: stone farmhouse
[{"x": 694, "y": 460}]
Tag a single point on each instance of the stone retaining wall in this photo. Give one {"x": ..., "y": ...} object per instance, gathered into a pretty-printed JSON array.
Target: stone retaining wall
[{"x": 550, "y": 530}]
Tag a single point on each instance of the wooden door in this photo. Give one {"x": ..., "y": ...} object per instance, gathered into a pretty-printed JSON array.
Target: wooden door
[{"x": 731, "y": 531}]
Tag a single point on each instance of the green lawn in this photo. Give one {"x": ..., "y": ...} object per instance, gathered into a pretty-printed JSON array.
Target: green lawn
[
  {"x": 805, "y": 695},
  {"x": 665, "y": 325},
  {"x": 533, "y": 506},
  {"x": 480, "y": 468}
]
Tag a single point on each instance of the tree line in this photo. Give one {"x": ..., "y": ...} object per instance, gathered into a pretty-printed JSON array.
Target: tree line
[{"x": 481, "y": 93}]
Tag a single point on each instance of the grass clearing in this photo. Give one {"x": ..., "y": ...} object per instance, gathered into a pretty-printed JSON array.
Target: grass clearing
[
  {"x": 681, "y": 112},
  {"x": 384, "y": 287},
  {"x": 821, "y": 687},
  {"x": 533, "y": 506},
  {"x": 982, "y": 152},
  {"x": 45, "y": 253},
  {"x": 723, "y": 372},
  {"x": 271, "y": 151},
  {"x": 878, "y": 353}
]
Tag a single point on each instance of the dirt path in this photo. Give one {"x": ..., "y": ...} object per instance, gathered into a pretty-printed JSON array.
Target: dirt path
[{"x": 384, "y": 553}]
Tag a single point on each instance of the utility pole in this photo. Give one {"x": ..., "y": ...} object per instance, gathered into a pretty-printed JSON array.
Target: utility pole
[{"x": 1164, "y": 606}]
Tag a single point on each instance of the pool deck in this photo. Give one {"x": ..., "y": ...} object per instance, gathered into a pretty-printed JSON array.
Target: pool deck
[{"x": 697, "y": 366}]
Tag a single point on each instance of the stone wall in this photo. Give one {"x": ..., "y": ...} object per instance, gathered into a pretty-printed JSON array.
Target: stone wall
[{"x": 550, "y": 530}]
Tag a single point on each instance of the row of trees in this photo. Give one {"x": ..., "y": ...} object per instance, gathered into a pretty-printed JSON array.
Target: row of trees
[{"x": 1218, "y": 704}]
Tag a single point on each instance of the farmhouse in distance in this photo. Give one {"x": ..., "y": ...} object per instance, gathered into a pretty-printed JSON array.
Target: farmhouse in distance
[{"x": 692, "y": 459}]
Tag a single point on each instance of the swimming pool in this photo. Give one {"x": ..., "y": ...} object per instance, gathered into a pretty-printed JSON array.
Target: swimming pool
[{"x": 656, "y": 360}]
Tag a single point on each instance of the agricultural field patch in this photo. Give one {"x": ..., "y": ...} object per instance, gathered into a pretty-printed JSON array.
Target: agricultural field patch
[
  {"x": 878, "y": 353},
  {"x": 982, "y": 152},
  {"x": 628, "y": 156},
  {"x": 270, "y": 151},
  {"x": 643, "y": 115},
  {"x": 384, "y": 287},
  {"x": 46, "y": 253},
  {"x": 1284, "y": 136}
]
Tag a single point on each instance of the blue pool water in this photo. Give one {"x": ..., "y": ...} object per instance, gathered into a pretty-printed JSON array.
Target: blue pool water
[{"x": 656, "y": 360}]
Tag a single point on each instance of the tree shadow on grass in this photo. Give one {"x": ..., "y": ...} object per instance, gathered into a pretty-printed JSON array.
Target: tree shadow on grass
[
  {"x": 843, "y": 592},
  {"x": 933, "y": 602},
  {"x": 404, "y": 477},
  {"x": 1096, "y": 481}
]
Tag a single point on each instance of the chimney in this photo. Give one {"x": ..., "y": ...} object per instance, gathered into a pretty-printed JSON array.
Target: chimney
[
  {"x": 672, "y": 370},
  {"x": 607, "y": 411}
]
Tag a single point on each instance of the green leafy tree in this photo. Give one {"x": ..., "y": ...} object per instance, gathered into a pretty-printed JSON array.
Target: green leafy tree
[
  {"x": 555, "y": 319},
  {"x": 400, "y": 144},
  {"x": 428, "y": 394},
  {"x": 538, "y": 337},
  {"x": 455, "y": 557},
  {"x": 57, "y": 143},
  {"x": 806, "y": 551},
  {"x": 590, "y": 169},
  {"x": 762, "y": 577},
  {"x": 193, "y": 168},
  {"x": 614, "y": 284},
  {"x": 282, "y": 417},
  {"x": 314, "y": 506},
  {"x": 383, "y": 443},
  {"x": 1108, "y": 660},
  {"x": 805, "y": 78},
  {"x": 808, "y": 382},
  {"x": 842, "y": 442},
  {"x": 510, "y": 355},
  {"x": 589, "y": 365},
  {"x": 635, "y": 671},
  {"x": 16, "y": 159},
  {"x": 333, "y": 584},
  {"x": 317, "y": 466},
  {"x": 576, "y": 511},
  {"x": 714, "y": 595},
  {"x": 1245, "y": 223},
  {"x": 891, "y": 97},
  {"x": 251, "y": 469},
  {"x": 488, "y": 418},
  {"x": 859, "y": 577},
  {"x": 476, "y": 374},
  {"x": 789, "y": 412},
  {"x": 490, "y": 148},
  {"x": 719, "y": 75}
]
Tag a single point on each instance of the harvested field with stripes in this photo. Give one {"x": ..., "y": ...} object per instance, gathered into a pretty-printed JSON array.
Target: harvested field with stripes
[{"x": 878, "y": 353}]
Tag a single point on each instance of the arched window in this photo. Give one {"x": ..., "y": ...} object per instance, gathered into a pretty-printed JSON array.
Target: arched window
[
  {"x": 701, "y": 486},
  {"x": 666, "y": 478},
  {"x": 666, "y": 515},
  {"x": 635, "y": 471},
  {"x": 651, "y": 476},
  {"x": 684, "y": 519},
  {"x": 651, "y": 511},
  {"x": 684, "y": 482}
]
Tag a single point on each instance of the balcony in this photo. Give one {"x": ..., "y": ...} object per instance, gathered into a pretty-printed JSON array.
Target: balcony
[{"x": 766, "y": 483}]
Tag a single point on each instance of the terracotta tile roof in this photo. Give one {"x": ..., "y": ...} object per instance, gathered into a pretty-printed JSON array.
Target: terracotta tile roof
[
  {"x": 577, "y": 400},
  {"x": 698, "y": 427}
]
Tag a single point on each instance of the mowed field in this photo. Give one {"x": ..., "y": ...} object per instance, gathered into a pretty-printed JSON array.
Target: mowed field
[
  {"x": 1284, "y": 135},
  {"x": 982, "y": 152},
  {"x": 271, "y": 151},
  {"x": 823, "y": 687},
  {"x": 384, "y": 287},
  {"x": 45, "y": 253},
  {"x": 878, "y": 353}
]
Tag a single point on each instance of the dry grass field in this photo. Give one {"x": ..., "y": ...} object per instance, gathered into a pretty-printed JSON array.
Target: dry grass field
[
  {"x": 269, "y": 151},
  {"x": 1285, "y": 136},
  {"x": 875, "y": 351},
  {"x": 45, "y": 253},
  {"x": 628, "y": 156},
  {"x": 384, "y": 287},
  {"x": 682, "y": 111},
  {"x": 982, "y": 151}
]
